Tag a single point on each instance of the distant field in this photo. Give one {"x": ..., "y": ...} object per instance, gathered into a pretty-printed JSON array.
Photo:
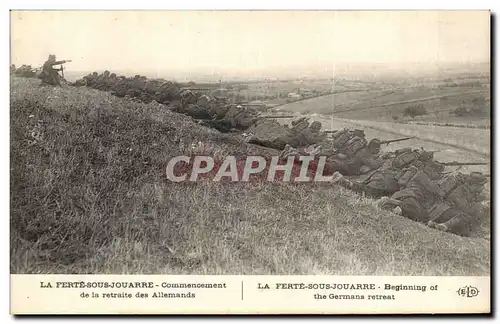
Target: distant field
[{"x": 385, "y": 105}]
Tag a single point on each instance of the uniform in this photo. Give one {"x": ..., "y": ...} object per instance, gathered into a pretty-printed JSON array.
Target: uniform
[
  {"x": 460, "y": 207},
  {"x": 50, "y": 75}
]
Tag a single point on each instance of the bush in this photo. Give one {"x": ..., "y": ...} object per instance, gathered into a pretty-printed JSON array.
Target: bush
[
  {"x": 461, "y": 111},
  {"x": 478, "y": 108},
  {"x": 415, "y": 110}
]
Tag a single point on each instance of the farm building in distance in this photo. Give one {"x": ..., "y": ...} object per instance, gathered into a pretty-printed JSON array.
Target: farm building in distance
[
  {"x": 256, "y": 104},
  {"x": 292, "y": 96}
]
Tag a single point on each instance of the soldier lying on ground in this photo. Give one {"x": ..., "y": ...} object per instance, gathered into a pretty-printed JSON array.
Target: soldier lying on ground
[
  {"x": 459, "y": 211},
  {"x": 271, "y": 134},
  {"x": 357, "y": 159},
  {"x": 363, "y": 161},
  {"x": 25, "y": 71},
  {"x": 306, "y": 134},
  {"x": 418, "y": 192},
  {"x": 452, "y": 205},
  {"x": 387, "y": 178},
  {"x": 342, "y": 137}
]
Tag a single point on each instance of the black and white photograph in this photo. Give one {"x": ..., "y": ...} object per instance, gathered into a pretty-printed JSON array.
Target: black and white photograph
[{"x": 219, "y": 142}]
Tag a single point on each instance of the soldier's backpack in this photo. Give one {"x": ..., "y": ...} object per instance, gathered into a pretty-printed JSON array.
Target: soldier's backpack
[
  {"x": 405, "y": 159},
  {"x": 404, "y": 176},
  {"x": 354, "y": 145},
  {"x": 340, "y": 138},
  {"x": 441, "y": 212},
  {"x": 433, "y": 170},
  {"x": 460, "y": 197},
  {"x": 300, "y": 125},
  {"x": 447, "y": 185}
]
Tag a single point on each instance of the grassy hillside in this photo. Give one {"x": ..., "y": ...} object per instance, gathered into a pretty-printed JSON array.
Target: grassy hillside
[{"x": 88, "y": 195}]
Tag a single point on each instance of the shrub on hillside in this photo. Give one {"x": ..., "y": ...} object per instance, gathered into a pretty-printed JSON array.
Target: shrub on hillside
[
  {"x": 415, "y": 110},
  {"x": 478, "y": 108}
]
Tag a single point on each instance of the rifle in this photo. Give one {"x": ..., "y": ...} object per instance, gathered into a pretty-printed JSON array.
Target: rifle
[
  {"x": 269, "y": 117},
  {"x": 330, "y": 131},
  {"x": 395, "y": 140},
  {"x": 62, "y": 67},
  {"x": 462, "y": 163}
]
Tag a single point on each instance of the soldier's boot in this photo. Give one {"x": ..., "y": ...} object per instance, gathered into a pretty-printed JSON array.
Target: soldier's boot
[
  {"x": 284, "y": 152},
  {"x": 431, "y": 224},
  {"x": 339, "y": 179},
  {"x": 441, "y": 227},
  {"x": 287, "y": 151},
  {"x": 398, "y": 211},
  {"x": 389, "y": 203},
  {"x": 461, "y": 224}
]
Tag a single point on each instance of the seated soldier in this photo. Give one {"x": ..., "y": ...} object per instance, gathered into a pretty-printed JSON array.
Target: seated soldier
[{"x": 50, "y": 75}]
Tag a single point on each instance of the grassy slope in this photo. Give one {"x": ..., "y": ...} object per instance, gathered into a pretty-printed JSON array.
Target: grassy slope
[{"x": 89, "y": 197}]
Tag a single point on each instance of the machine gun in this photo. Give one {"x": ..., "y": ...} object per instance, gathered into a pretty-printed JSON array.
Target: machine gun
[
  {"x": 62, "y": 68},
  {"x": 395, "y": 140},
  {"x": 462, "y": 163}
]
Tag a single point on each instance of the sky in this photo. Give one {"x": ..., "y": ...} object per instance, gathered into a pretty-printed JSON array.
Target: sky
[{"x": 243, "y": 42}]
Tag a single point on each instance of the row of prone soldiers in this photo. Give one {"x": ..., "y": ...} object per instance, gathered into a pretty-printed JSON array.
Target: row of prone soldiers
[
  {"x": 24, "y": 70},
  {"x": 211, "y": 111},
  {"x": 408, "y": 181},
  {"x": 138, "y": 88},
  {"x": 208, "y": 110}
]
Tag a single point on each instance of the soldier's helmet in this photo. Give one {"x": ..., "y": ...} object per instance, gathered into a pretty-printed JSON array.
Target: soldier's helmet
[
  {"x": 359, "y": 133},
  {"x": 112, "y": 75},
  {"x": 299, "y": 121},
  {"x": 426, "y": 156},
  {"x": 106, "y": 73},
  {"x": 165, "y": 84},
  {"x": 374, "y": 145},
  {"x": 95, "y": 74},
  {"x": 315, "y": 126},
  {"x": 185, "y": 93},
  {"x": 403, "y": 150},
  {"x": 477, "y": 178}
]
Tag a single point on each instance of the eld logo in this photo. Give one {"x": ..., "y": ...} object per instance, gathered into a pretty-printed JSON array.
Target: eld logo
[{"x": 468, "y": 291}]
